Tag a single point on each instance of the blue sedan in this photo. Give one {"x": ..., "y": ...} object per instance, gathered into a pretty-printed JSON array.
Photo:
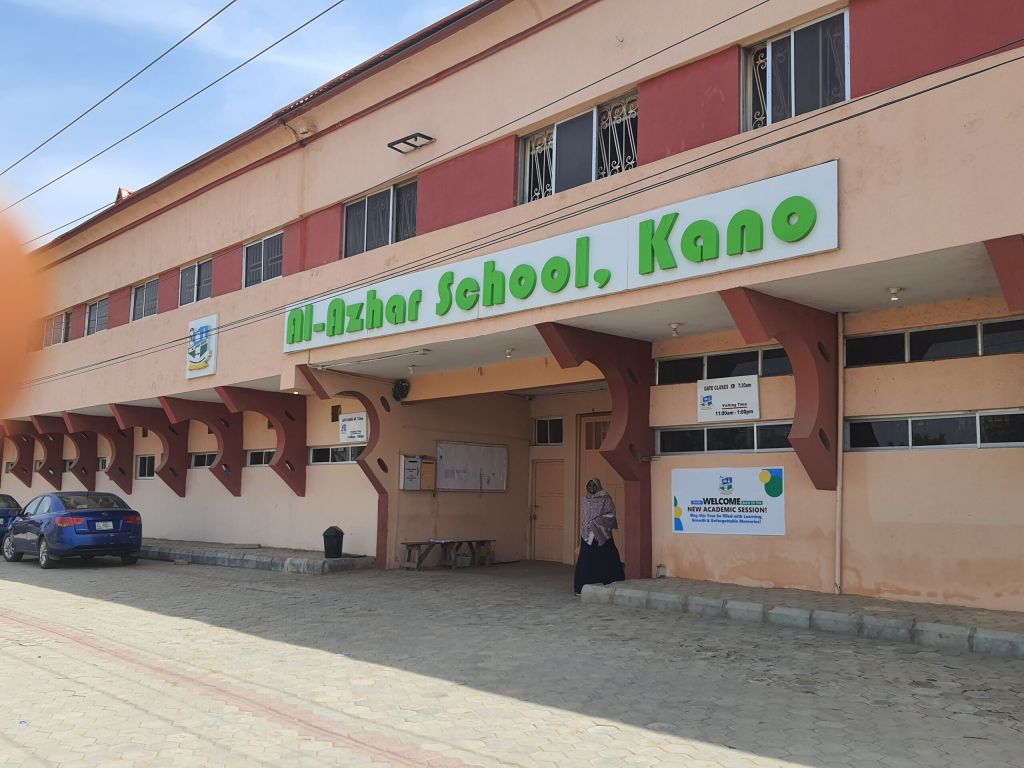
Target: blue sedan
[
  {"x": 9, "y": 508},
  {"x": 77, "y": 524}
]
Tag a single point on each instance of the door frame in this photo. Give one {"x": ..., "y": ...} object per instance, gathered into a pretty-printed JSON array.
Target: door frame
[{"x": 533, "y": 506}]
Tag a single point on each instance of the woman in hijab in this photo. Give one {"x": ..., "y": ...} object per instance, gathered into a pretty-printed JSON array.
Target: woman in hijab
[{"x": 599, "y": 561}]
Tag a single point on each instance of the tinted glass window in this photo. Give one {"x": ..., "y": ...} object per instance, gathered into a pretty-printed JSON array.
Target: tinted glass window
[
  {"x": 878, "y": 434},
  {"x": 732, "y": 364},
  {"x": 1003, "y": 337},
  {"x": 946, "y": 430},
  {"x": 819, "y": 58},
  {"x": 273, "y": 256},
  {"x": 320, "y": 455},
  {"x": 187, "y": 286},
  {"x": 685, "y": 370},
  {"x": 875, "y": 350},
  {"x": 944, "y": 343},
  {"x": 681, "y": 441},
  {"x": 91, "y": 501},
  {"x": 355, "y": 228},
  {"x": 574, "y": 152},
  {"x": 782, "y": 97},
  {"x": 30, "y": 508},
  {"x": 378, "y": 220},
  {"x": 1002, "y": 428},
  {"x": 9, "y": 502},
  {"x": 773, "y": 436},
  {"x": 44, "y": 506},
  {"x": 405, "y": 212},
  {"x": 775, "y": 362},
  {"x": 731, "y": 439},
  {"x": 204, "y": 287}
]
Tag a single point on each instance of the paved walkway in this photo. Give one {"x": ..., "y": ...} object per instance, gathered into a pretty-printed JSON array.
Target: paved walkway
[
  {"x": 169, "y": 665},
  {"x": 255, "y": 557}
]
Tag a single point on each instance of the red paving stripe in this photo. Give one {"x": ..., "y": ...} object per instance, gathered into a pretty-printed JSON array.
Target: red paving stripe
[{"x": 373, "y": 745}]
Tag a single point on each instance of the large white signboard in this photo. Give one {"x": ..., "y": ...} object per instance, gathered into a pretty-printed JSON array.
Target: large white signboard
[
  {"x": 747, "y": 501},
  {"x": 352, "y": 427},
  {"x": 735, "y": 398},
  {"x": 783, "y": 217},
  {"x": 201, "y": 355}
]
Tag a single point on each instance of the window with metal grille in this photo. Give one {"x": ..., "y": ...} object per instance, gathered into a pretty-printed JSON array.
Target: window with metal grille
[
  {"x": 196, "y": 282},
  {"x": 96, "y": 316},
  {"x": 145, "y": 467},
  {"x": 264, "y": 259},
  {"x": 802, "y": 70},
  {"x": 57, "y": 329},
  {"x": 144, "y": 299},
  {"x": 385, "y": 217},
  {"x": 593, "y": 145}
]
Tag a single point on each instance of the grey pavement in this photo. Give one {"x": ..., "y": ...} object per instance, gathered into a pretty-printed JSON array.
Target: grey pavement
[
  {"x": 167, "y": 665},
  {"x": 992, "y": 633},
  {"x": 254, "y": 557}
]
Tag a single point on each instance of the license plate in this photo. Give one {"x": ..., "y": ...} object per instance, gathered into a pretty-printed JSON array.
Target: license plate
[{"x": 105, "y": 525}]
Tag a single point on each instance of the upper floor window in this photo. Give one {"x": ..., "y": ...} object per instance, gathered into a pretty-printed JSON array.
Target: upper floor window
[
  {"x": 601, "y": 142},
  {"x": 547, "y": 431},
  {"x": 689, "y": 370},
  {"x": 196, "y": 282},
  {"x": 802, "y": 70},
  {"x": 96, "y": 316},
  {"x": 57, "y": 329},
  {"x": 144, "y": 299},
  {"x": 264, "y": 259},
  {"x": 993, "y": 337},
  {"x": 385, "y": 217}
]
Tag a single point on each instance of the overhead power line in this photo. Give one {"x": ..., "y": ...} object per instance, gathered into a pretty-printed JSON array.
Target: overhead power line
[
  {"x": 180, "y": 104},
  {"x": 445, "y": 255},
  {"x": 118, "y": 88}
]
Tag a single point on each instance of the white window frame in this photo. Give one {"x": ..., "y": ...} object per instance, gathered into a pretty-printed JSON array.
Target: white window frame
[
  {"x": 262, "y": 259},
  {"x": 523, "y": 199},
  {"x": 747, "y": 90},
  {"x": 312, "y": 463},
  {"x": 911, "y": 417},
  {"x": 249, "y": 456},
  {"x": 102, "y": 463},
  {"x": 723, "y": 425},
  {"x": 392, "y": 217},
  {"x": 138, "y": 466},
  {"x": 980, "y": 332},
  {"x": 548, "y": 418},
  {"x": 192, "y": 459},
  {"x": 89, "y": 306},
  {"x": 68, "y": 464},
  {"x": 65, "y": 319},
  {"x": 195, "y": 280},
  {"x": 144, "y": 286},
  {"x": 704, "y": 361}
]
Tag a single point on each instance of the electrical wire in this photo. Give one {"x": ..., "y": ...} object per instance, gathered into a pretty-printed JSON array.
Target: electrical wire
[
  {"x": 101, "y": 101},
  {"x": 269, "y": 313},
  {"x": 181, "y": 103}
]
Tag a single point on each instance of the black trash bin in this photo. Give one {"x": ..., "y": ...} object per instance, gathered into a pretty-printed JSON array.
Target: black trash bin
[{"x": 333, "y": 537}]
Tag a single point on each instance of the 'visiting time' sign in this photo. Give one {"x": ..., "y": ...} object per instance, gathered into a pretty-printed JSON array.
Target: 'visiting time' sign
[{"x": 783, "y": 217}]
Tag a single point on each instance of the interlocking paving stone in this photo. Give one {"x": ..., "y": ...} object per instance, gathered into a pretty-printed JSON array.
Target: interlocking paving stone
[{"x": 205, "y": 666}]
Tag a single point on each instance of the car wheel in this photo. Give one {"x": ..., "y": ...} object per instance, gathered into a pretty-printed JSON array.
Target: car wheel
[
  {"x": 9, "y": 554},
  {"x": 129, "y": 559},
  {"x": 45, "y": 560}
]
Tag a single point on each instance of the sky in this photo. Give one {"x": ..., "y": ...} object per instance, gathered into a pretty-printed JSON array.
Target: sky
[{"x": 58, "y": 57}]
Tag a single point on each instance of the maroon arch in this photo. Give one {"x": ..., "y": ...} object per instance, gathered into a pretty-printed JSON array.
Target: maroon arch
[
  {"x": 85, "y": 463},
  {"x": 23, "y": 435},
  {"x": 226, "y": 428},
  {"x": 121, "y": 467},
  {"x": 174, "y": 440}
]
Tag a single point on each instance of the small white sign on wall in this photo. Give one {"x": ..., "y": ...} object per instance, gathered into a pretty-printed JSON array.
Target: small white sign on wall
[
  {"x": 352, "y": 427},
  {"x": 735, "y": 398},
  {"x": 201, "y": 355},
  {"x": 729, "y": 500}
]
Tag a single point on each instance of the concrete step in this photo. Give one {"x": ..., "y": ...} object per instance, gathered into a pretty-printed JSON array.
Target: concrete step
[
  {"x": 259, "y": 558},
  {"x": 990, "y": 633}
]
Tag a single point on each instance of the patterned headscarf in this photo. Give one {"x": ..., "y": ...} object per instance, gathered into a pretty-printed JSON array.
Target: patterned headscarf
[{"x": 598, "y": 514}]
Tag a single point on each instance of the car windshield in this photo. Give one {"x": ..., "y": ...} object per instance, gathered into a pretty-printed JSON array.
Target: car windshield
[
  {"x": 91, "y": 501},
  {"x": 8, "y": 502}
]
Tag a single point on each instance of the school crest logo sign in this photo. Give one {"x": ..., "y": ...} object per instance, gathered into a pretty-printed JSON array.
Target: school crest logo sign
[{"x": 201, "y": 354}]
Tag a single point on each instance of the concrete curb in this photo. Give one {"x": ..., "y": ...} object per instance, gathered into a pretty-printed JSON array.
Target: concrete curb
[
  {"x": 254, "y": 559},
  {"x": 889, "y": 628}
]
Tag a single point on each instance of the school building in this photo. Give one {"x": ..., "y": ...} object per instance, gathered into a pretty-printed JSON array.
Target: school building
[{"x": 757, "y": 266}]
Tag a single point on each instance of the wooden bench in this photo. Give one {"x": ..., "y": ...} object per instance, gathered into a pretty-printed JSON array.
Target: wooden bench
[{"x": 416, "y": 552}]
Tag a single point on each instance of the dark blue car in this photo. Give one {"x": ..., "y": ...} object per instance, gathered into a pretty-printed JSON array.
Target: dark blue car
[
  {"x": 78, "y": 524},
  {"x": 9, "y": 508}
]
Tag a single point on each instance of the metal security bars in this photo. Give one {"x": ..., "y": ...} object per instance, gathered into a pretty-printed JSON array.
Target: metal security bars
[
  {"x": 385, "y": 217},
  {"x": 96, "y": 316},
  {"x": 264, "y": 259},
  {"x": 144, "y": 299},
  {"x": 196, "y": 282},
  {"x": 805, "y": 69},
  {"x": 57, "y": 329},
  {"x": 592, "y": 145}
]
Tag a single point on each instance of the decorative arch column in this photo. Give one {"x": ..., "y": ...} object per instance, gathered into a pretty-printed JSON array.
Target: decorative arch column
[
  {"x": 382, "y": 415},
  {"x": 121, "y": 468},
  {"x": 173, "y": 440},
  {"x": 84, "y": 466},
  {"x": 226, "y": 428},
  {"x": 628, "y": 368},
  {"x": 1007, "y": 255},
  {"x": 809, "y": 337},
  {"x": 23, "y": 435},
  {"x": 287, "y": 414}
]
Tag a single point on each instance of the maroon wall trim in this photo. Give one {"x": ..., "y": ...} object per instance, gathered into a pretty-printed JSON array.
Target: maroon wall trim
[
  {"x": 227, "y": 429},
  {"x": 690, "y": 106},
  {"x": 321, "y": 239},
  {"x": 466, "y": 187},
  {"x": 227, "y": 271},
  {"x": 628, "y": 367},
  {"x": 119, "y": 307},
  {"x": 121, "y": 468},
  {"x": 174, "y": 441},
  {"x": 168, "y": 294},
  {"x": 1007, "y": 255},
  {"x": 809, "y": 337},
  {"x": 293, "y": 259},
  {"x": 77, "y": 322},
  {"x": 896, "y": 41}
]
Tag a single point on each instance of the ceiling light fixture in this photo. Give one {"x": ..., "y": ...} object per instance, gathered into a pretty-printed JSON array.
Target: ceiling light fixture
[
  {"x": 894, "y": 294},
  {"x": 508, "y": 353},
  {"x": 412, "y": 369},
  {"x": 675, "y": 328}
]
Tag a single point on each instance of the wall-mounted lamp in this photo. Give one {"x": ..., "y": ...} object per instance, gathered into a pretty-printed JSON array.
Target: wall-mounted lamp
[
  {"x": 675, "y": 328},
  {"x": 894, "y": 294},
  {"x": 412, "y": 369},
  {"x": 409, "y": 143},
  {"x": 508, "y": 353}
]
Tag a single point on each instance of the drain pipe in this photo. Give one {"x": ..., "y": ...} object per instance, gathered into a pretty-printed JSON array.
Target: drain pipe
[{"x": 840, "y": 452}]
